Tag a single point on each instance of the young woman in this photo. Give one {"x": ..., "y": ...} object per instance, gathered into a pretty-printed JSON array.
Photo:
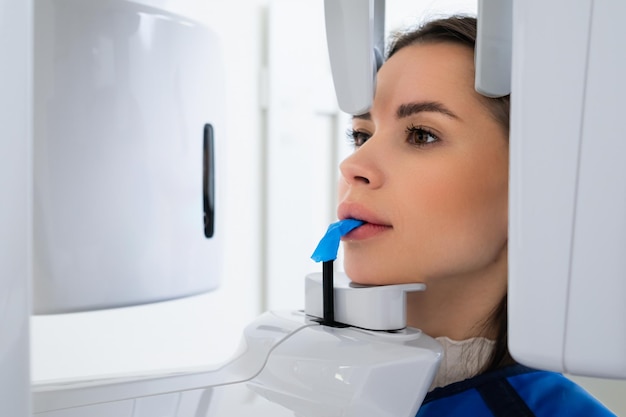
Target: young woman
[{"x": 429, "y": 176}]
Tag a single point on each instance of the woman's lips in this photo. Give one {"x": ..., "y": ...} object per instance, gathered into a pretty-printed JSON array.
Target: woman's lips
[
  {"x": 373, "y": 225},
  {"x": 366, "y": 231}
]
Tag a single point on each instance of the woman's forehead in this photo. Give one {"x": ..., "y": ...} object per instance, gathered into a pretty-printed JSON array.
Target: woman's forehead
[{"x": 431, "y": 72}]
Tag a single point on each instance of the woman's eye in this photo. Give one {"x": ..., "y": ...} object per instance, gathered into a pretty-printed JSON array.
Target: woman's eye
[
  {"x": 357, "y": 138},
  {"x": 420, "y": 136}
]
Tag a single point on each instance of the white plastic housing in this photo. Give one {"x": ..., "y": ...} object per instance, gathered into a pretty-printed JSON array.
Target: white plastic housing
[
  {"x": 368, "y": 307},
  {"x": 122, "y": 95},
  {"x": 15, "y": 205},
  {"x": 355, "y": 36},
  {"x": 493, "y": 47},
  {"x": 259, "y": 338},
  {"x": 567, "y": 283},
  {"x": 328, "y": 371},
  {"x": 294, "y": 362}
]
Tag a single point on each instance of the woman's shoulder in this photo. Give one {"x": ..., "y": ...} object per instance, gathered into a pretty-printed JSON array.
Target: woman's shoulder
[{"x": 513, "y": 391}]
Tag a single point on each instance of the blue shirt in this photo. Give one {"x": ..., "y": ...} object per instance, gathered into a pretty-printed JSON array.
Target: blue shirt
[{"x": 513, "y": 391}]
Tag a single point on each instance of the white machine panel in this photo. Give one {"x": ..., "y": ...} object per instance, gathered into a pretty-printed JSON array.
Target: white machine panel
[
  {"x": 598, "y": 261},
  {"x": 15, "y": 197},
  {"x": 355, "y": 34},
  {"x": 123, "y": 93},
  {"x": 568, "y": 188},
  {"x": 285, "y": 358}
]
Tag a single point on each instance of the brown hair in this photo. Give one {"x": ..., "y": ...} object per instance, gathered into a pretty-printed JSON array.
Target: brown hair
[{"x": 462, "y": 30}]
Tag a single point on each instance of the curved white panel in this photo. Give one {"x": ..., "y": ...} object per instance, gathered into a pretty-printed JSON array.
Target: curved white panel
[
  {"x": 350, "y": 29},
  {"x": 122, "y": 96},
  {"x": 494, "y": 48},
  {"x": 284, "y": 357},
  {"x": 15, "y": 184},
  {"x": 598, "y": 284},
  {"x": 544, "y": 141},
  {"x": 568, "y": 199}
]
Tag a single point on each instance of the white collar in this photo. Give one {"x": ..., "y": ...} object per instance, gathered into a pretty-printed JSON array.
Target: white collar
[{"x": 462, "y": 359}]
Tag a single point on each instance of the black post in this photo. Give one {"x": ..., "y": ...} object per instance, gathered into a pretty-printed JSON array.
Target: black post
[{"x": 328, "y": 292}]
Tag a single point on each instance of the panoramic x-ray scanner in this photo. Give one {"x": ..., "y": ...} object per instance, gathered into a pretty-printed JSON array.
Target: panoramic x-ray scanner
[{"x": 126, "y": 206}]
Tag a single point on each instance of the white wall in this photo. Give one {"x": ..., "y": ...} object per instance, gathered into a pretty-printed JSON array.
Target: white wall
[{"x": 303, "y": 133}]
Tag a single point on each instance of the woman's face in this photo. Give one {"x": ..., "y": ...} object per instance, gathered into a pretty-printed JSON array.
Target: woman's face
[{"x": 429, "y": 174}]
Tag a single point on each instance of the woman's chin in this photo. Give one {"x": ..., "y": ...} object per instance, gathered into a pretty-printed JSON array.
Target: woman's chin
[{"x": 364, "y": 276}]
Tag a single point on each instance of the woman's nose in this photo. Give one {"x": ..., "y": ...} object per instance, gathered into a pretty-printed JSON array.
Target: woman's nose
[{"x": 361, "y": 168}]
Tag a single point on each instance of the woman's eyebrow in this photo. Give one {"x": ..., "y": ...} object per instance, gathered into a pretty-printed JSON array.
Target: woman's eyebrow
[{"x": 409, "y": 109}]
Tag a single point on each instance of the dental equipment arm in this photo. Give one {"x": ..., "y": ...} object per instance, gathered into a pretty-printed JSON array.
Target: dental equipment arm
[
  {"x": 355, "y": 31},
  {"x": 289, "y": 359},
  {"x": 494, "y": 47}
]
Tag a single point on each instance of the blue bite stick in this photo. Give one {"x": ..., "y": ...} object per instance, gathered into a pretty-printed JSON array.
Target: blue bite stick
[
  {"x": 326, "y": 252},
  {"x": 329, "y": 245}
]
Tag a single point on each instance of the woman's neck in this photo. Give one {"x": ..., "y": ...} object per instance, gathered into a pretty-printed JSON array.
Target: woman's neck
[{"x": 460, "y": 307}]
